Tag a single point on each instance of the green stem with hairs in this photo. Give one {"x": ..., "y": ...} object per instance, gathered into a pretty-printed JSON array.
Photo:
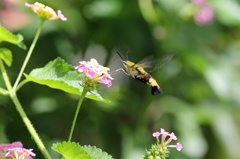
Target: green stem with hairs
[
  {"x": 12, "y": 93},
  {"x": 23, "y": 115},
  {"x": 85, "y": 90},
  {"x": 29, "y": 53}
]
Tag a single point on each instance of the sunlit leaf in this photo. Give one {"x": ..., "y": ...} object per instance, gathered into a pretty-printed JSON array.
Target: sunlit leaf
[
  {"x": 60, "y": 75},
  {"x": 6, "y": 56},
  {"x": 105, "y": 8},
  {"x": 96, "y": 153},
  {"x": 7, "y": 36},
  {"x": 227, "y": 11},
  {"x": 71, "y": 150}
]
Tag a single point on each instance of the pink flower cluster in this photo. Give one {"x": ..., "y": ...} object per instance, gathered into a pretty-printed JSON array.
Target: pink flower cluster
[
  {"x": 15, "y": 150},
  {"x": 46, "y": 12},
  {"x": 205, "y": 14},
  {"x": 95, "y": 71},
  {"x": 164, "y": 134}
]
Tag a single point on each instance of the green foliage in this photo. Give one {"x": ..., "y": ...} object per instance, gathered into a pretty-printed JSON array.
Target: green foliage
[
  {"x": 200, "y": 99},
  {"x": 96, "y": 153},
  {"x": 6, "y": 56},
  {"x": 60, "y": 75},
  {"x": 7, "y": 36},
  {"x": 72, "y": 150},
  {"x": 227, "y": 11}
]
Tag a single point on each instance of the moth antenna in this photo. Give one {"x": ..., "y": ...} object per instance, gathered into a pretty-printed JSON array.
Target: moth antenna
[
  {"x": 112, "y": 61},
  {"x": 120, "y": 56}
]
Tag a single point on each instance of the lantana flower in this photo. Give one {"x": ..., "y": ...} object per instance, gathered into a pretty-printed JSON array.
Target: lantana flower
[
  {"x": 160, "y": 149},
  {"x": 45, "y": 12},
  {"x": 95, "y": 73},
  {"x": 15, "y": 150}
]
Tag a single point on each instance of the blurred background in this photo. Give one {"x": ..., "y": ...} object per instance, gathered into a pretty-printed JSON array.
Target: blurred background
[{"x": 200, "y": 102}]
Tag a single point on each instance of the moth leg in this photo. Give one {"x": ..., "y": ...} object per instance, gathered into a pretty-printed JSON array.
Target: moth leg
[{"x": 117, "y": 71}]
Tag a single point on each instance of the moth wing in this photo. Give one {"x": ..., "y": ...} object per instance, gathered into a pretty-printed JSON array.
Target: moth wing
[
  {"x": 146, "y": 62},
  {"x": 160, "y": 63}
]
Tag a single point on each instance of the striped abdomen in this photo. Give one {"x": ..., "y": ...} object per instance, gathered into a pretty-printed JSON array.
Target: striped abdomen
[{"x": 148, "y": 79}]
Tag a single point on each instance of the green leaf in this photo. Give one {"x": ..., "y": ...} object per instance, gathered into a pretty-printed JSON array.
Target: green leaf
[
  {"x": 96, "y": 153},
  {"x": 71, "y": 150},
  {"x": 60, "y": 75},
  {"x": 227, "y": 12},
  {"x": 6, "y": 56},
  {"x": 6, "y": 35}
]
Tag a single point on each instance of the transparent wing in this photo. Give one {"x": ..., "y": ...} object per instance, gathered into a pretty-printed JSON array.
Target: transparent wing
[
  {"x": 160, "y": 63},
  {"x": 150, "y": 64},
  {"x": 146, "y": 62}
]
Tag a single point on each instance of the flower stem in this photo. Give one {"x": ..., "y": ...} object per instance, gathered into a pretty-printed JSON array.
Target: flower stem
[
  {"x": 148, "y": 11},
  {"x": 21, "y": 84},
  {"x": 3, "y": 92},
  {"x": 30, "y": 127},
  {"x": 29, "y": 53},
  {"x": 85, "y": 90},
  {"x": 23, "y": 115}
]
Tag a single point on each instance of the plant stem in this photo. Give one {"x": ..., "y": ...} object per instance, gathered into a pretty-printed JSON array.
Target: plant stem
[
  {"x": 85, "y": 90},
  {"x": 30, "y": 127},
  {"x": 3, "y": 92},
  {"x": 5, "y": 77},
  {"x": 148, "y": 11},
  {"x": 29, "y": 53},
  {"x": 23, "y": 115},
  {"x": 21, "y": 84}
]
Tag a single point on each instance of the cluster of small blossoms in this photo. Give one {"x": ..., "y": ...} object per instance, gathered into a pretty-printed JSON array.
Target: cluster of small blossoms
[
  {"x": 95, "y": 73},
  {"x": 204, "y": 14},
  {"x": 160, "y": 149},
  {"x": 45, "y": 12},
  {"x": 15, "y": 150}
]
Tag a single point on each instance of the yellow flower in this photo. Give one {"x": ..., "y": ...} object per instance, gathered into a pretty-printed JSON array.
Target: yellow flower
[{"x": 45, "y": 12}]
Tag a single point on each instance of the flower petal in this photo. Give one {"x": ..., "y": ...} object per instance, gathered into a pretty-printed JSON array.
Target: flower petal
[
  {"x": 156, "y": 134},
  {"x": 95, "y": 71},
  {"x": 45, "y": 12},
  {"x": 29, "y": 5},
  {"x": 179, "y": 146},
  {"x": 61, "y": 16}
]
